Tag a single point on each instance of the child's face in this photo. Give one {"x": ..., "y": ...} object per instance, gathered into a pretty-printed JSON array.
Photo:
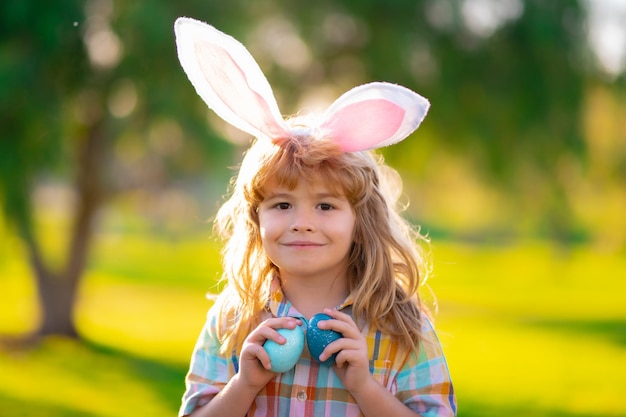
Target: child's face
[{"x": 308, "y": 231}]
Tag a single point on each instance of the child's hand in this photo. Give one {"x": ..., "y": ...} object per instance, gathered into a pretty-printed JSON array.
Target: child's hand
[
  {"x": 352, "y": 362},
  {"x": 254, "y": 362}
]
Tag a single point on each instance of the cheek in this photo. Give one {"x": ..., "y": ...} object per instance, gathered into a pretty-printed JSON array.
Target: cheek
[
  {"x": 263, "y": 233},
  {"x": 352, "y": 222},
  {"x": 267, "y": 227},
  {"x": 349, "y": 229},
  {"x": 266, "y": 240}
]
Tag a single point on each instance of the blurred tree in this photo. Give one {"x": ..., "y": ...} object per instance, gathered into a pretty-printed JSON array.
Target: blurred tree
[
  {"x": 39, "y": 43},
  {"x": 93, "y": 91},
  {"x": 81, "y": 84}
]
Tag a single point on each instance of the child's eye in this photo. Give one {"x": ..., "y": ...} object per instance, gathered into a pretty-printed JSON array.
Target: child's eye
[
  {"x": 325, "y": 206},
  {"x": 283, "y": 206}
]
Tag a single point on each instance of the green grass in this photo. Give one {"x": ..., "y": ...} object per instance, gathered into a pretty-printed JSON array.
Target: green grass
[{"x": 528, "y": 330}]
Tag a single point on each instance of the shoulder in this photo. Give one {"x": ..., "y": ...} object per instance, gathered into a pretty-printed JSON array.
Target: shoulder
[
  {"x": 425, "y": 378},
  {"x": 213, "y": 326},
  {"x": 427, "y": 350}
]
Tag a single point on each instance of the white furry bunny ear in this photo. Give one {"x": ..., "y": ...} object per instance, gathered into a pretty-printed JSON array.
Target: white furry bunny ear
[
  {"x": 228, "y": 79},
  {"x": 374, "y": 115}
]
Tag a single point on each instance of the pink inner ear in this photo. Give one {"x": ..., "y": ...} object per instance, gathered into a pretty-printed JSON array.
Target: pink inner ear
[
  {"x": 364, "y": 125},
  {"x": 230, "y": 84}
]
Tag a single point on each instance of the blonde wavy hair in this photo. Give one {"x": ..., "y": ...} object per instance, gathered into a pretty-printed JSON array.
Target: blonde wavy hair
[{"x": 387, "y": 260}]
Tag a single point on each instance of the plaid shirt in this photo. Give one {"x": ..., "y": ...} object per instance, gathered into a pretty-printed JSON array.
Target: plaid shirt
[{"x": 420, "y": 381}]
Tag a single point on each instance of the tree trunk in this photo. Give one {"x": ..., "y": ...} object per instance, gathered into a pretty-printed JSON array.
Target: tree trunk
[
  {"x": 57, "y": 298},
  {"x": 58, "y": 291}
]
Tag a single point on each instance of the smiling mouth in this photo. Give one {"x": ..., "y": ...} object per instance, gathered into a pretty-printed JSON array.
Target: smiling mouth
[{"x": 302, "y": 244}]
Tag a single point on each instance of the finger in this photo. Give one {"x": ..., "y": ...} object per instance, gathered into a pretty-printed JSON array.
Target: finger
[
  {"x": 350, "y": 348},
  {"x": 341, "y": 323},
  {"x": 286, "y": 322},
  {"x": 351, "y": 357},
  {"x": 336, "y": 347},
  {"x": 338, "y": 315},
  {"x": 267, "y": 330},
  {"x": 264, "y": 334},
  {"x": 263, "y": 357},
  {"x": 255, "y": 352},
  {"x": 341, "y": 317}
]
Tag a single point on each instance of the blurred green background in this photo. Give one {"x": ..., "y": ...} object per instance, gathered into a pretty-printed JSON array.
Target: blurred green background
[{"x": 111, "y": 169}]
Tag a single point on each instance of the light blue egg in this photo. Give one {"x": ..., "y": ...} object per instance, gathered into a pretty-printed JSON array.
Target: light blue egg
[
  {"x": 284, "y": 357},
  {"x": 317, "y": 339}
]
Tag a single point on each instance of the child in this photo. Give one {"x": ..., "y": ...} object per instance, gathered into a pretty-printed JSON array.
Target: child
[{"x": 311, "y": 227}]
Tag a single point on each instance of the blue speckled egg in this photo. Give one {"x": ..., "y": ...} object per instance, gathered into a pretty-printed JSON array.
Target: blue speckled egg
[
  {"x": 284, "y": 357},
  {"x": 317, "y": 339}
]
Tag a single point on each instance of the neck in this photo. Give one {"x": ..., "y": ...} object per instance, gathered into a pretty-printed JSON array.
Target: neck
[{"x": 312, "y": 295}]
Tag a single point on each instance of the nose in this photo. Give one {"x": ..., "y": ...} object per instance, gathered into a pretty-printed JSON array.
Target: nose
[{"x": 302, "y": 222}]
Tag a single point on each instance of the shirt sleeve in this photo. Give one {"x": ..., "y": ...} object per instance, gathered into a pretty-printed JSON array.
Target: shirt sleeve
[
  {"x": 424, "y": 384},
  {"x": 209, "y": 371}
]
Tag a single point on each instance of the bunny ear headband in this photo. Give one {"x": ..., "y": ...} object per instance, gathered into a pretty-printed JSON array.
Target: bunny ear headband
[{"x": 229, "y": 80}]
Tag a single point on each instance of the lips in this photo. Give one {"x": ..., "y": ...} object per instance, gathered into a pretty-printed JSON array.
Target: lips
[{"x": 302, "y": 244}]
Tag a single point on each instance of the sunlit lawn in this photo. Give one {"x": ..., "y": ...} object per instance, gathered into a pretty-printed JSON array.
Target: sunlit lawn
[{"x": 528, "y": 330}]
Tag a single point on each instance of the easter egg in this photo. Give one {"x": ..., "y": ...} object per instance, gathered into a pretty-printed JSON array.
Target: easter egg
[
  {"x": 284, "y": 357},
  {"x": 317, "y": 339}
]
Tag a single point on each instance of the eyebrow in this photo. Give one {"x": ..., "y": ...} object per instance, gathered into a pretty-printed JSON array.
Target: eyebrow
[{"x": 318, "y": 195}]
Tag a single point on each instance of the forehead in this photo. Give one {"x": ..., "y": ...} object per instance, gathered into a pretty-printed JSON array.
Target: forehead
[{"x": 316, "y": 187}]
